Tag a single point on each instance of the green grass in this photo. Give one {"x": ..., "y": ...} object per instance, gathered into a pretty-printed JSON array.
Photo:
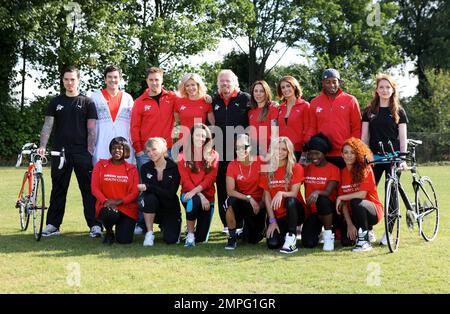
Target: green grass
[{"x": 27, "y": 266}]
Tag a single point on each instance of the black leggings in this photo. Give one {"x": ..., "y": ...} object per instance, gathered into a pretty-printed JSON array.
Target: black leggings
[
  {"x": 313, "y": 225},
  {"x": 124, "y": 224},
  {"x": 203, "y": 217},
  {"x": 295, "y": 214},
  {"x": 169, "y": 220},
  {"x": 364, "y": 216},
  {"x": 254, "y": 224}
]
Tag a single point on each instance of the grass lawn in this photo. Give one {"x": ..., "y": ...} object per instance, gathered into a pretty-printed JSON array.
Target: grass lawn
[{"x": 52, "y": 265}]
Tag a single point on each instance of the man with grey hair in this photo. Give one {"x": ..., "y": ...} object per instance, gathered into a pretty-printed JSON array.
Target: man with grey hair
[{"x": 230, "y": 107}]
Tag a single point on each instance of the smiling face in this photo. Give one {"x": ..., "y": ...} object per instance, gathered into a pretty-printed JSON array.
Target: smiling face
[
  {"x": 225, "y": 84},
  {"x": 242, "y": 149},
  {"x": 154, "y": 82},
  {"x": 112, "y": 80},
  {"x": 330, "y": 86},
  {"x": 384, "y": 90},
  {"x": 349, "y": 155},
  {"x": 287, "y": 90},
  {"x": 316, "y": 157},
  {"x": 117, "y": 152},
  {"x": 199, "y": 137},
  {"x": 154, "y": 153},
  {"x": 259, "y": 94},
  {"x": 282, "y": 151},
  {"x": 71, "y": 82},
  {"x": 191, "y": 88}
]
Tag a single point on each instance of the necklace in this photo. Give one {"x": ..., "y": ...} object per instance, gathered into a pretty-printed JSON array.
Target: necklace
[{"x": 249, "y": 172}]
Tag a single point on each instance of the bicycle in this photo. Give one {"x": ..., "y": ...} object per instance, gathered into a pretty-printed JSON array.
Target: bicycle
[
  {"x": 31, "y": 199},
  {"x": 424, "y": 210}
]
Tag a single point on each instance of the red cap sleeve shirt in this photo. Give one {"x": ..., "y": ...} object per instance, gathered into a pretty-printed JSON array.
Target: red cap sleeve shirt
[
  {"x": 113, "y": 103},
  {"x": 367, "y": 184},
  {"x": 317, "y": 178},
  {"x": 278, "y": 183},
  {"x": 246, "y": 178},
  {"x": 260, "y": 131},
  {"x": 191, "y": 112},
  {"x": 190, "y": 180},
  {"x": 110, "y": 181}
]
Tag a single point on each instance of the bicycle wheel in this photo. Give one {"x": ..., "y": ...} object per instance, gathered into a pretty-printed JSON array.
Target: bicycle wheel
[
  {"x": 392, "y": 215},
  {"x": 427, "y": 209},
  {"x": 23, "y": 203},
  {"x": 39, "y": 208}
]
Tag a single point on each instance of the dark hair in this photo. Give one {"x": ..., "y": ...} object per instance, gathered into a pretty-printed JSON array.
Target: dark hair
[
  {"x": 207, "y": 154},
  {"x": 70, "y": 68},
  {"x": 121, "y": 141},
  {"x": 254, "y": 104},
  {"x": 319, "y": 142},
  {"x": 112, "y": 68}
]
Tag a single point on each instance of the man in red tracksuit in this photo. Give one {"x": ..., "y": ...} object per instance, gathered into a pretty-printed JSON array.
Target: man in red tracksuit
[
  {"x": 151, "y": 116},
  {"x": 336, "y": 114}
]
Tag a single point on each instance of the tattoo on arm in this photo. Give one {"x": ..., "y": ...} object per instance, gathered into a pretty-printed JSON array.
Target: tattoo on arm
[
  {"x": 92, "y": 136},
  {"x": 46, "y": 130}
]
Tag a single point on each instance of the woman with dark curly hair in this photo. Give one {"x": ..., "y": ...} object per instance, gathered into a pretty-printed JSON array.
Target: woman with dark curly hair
[{"x": 358, "y": 198}]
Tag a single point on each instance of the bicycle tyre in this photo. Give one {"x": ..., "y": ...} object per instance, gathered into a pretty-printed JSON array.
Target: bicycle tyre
[
  {"x": 22, "y": 203},
  {"x": 392, "y": 215},
  {"x": 39, "y": 208},
  {"x": 427, "y": 209}
]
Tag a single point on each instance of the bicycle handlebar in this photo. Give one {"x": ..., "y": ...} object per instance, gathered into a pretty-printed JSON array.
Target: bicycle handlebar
[
  {"x": 33, "y": 153},
  {"x": 394, "y": 156}
]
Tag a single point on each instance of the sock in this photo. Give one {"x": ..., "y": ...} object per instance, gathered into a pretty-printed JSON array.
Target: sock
[{"x": 232, "y": 232}]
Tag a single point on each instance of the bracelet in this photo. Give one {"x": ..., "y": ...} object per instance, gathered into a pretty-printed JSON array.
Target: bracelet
[{"x": 272, "y": 220}]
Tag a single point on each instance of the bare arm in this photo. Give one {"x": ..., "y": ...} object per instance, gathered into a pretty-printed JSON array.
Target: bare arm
[
  {"x": 365, "y": 136},
  {"x": 92, "y": 135},
  {"x": 211, "y": 119},
  {"x": 402, "y": 134},
  {"x": 45, "y": 133}
]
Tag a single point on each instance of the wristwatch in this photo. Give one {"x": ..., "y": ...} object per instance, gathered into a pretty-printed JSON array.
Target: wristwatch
[{"x": 249, "y": 197}]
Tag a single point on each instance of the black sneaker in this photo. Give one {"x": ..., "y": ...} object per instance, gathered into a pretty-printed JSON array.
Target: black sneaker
[
  {"x": 109, "y": 238},
  {"x": 231, "y": 245}
]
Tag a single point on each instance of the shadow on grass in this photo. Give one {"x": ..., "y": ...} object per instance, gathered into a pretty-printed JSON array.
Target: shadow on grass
[{"x": 80, "y": 244}]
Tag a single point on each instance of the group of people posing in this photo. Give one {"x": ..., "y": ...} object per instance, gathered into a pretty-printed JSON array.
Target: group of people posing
[{"x": 131, "y": 158}]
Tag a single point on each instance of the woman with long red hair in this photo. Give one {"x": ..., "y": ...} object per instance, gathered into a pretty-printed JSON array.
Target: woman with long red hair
[{"x": 358, "y": 198}]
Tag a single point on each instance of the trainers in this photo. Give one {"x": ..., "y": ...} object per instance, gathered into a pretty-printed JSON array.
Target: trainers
[
  {"x": 372, "y": 238},
  {"x": 109, "y": 238},
  {"x": 149, "y": 239},
  {"x": 321, "y": 240},
  {"x": 190, "y": 240},
  {"x": 328, "y": 240},
  {"x": 225, "y": 230},
  {"x": 50, "y": 230},
  {"x": 138, "y": 230},
  {"x": 95, "y": 232},
  {"x": 363, "y": 244},
  {"x": 383, "y": 241},
  {"x": 290, "y": 244},
  {"x": 231, "y": 245}
]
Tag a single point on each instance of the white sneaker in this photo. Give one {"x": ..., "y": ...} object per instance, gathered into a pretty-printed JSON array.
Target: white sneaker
[
  {"x": 290, "y": 244},
  {"x": 149, "y": 239},
  {"x": 50, "y": 230},
  {"x": 321, "y": 240},
  {"x": 372, "y": 238},
  {"x": 138, "y": 230},
  {"x": 328, "y": 240},
  {"x": 363, "y": 244},
  {"x": 225, "y": 230},
  {"x": 190, "y": 240},
  {"x": 96, "y": 232},
  {"x": 383, "y": 241}
]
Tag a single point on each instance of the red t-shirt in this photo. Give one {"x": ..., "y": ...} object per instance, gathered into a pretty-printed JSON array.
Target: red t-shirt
[
  {"x": 246, "y": 178},
  {"x": 278, "y": 183},
  {"x": 317, "y": 178},
  {"x": 110, "y": 181},
  {"x": 113, "y": 102},
  {"x": 191, "y": 111},
  {"x": 367, "y": 184},
  {"x": 261, "y": 130}
]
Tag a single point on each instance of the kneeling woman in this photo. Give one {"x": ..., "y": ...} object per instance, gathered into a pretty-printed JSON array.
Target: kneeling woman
[
  {"x": 358, "y": 198},
  {"x": 244, "y": 200},
  {"x": 282, "y": 196},
  {"x": 198, "y": 166},
  {"x": 160, "y": 182},
  {"x": 321, "y": 182},
  {"x": 114, "y": 185}
]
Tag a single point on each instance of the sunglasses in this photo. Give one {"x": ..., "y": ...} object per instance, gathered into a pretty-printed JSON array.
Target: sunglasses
[{"x": 242, "y": 147}]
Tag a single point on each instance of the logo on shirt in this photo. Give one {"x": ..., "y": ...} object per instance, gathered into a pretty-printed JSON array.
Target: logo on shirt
[
  {"x": 318, "y": 109},
  {"x": 147, "y": 107},
  {"x": 342, "y": 107},
  {"x": 216, "y": 107},
  {"x": 79, "y": 106},
  {"x": 149, "y": 176},
  {"x": 236, "y": 104},
  {"x": 59, "y": 107},
  {"x": 240, "y": 177},
  {"x": 170, "y": 177},
  {"x": 182, "y": 108}
]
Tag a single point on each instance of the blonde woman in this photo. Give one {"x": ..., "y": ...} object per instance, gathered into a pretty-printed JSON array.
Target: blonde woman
[
  {"x": 160, "y": 183},
  {"x": 192, "y": 106},
  {"x": 284, "y": 203}
]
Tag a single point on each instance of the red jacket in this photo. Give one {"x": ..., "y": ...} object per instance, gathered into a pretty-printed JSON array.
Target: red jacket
[
  {"x": 190, "y": 180},
  {"x": 116, "y": 182},
  {"x": 148, "y": 119},
  {"x": 297, "y": 123},
  {"x": 338, "y": 118}
]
